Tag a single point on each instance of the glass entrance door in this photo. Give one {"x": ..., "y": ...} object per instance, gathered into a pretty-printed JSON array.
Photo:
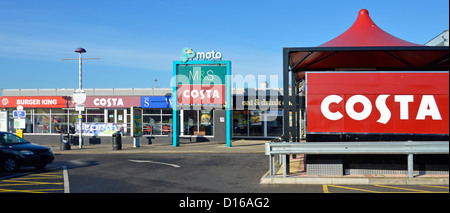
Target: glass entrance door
[{"x": 119, "y": 117}]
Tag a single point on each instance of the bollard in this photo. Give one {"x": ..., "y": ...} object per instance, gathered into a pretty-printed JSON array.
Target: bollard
[
  {"x": 117, "y": 141},
  {"x": 65, "y": 141}
]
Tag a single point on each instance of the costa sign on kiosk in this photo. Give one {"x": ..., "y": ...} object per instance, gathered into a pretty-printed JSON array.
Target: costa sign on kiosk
[
  {"x": 203, "y": 83},
  {"x": 378, "y": 102}
]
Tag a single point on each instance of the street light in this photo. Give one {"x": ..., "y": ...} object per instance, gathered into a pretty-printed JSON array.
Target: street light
[
  {"x": 80, "y": 100},
  {"x": 80, "y": 50},
  {"x": 80, "y": 114}
]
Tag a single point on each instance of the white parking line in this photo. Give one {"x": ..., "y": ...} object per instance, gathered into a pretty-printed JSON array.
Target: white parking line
[
  {"x": 155, "y": 162},
  {"x": 66, "y": 180}
]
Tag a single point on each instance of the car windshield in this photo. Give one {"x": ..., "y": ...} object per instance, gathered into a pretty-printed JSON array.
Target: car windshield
[{"x": 8, "y": 138}]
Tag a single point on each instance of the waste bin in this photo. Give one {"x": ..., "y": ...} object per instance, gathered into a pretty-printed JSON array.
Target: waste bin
[
  {"x": 117, "y": 141},
  {"x": 65, "y": 141}
]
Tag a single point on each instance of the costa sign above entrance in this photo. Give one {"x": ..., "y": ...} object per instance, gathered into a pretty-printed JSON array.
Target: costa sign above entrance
[{"x": 201, "y": 84}]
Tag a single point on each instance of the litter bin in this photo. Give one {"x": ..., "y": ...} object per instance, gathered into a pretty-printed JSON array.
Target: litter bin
[
  {"x": 117, "y": 141},
  {"x": 65, "y": 141}
]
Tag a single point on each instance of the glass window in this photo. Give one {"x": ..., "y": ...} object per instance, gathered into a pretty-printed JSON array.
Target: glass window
[
  {"x": 274, "y": 121},
  {"x": 240, "y": 123},
  {"x": 151, "y": 125},
  {"x": 42, "y": 123},
  {"x": 190, "y": 122},
  {"x": 95, "y": 116},
  {"x": 73, "y": 121},
  {"x": 167, "y": 111},
  {"x": 256, "y": 124},
  {"x": 111, "y": 116},
  {"x": 166, "y": 125},
  {"x": 206, "y": 123},
  {"x": 59, "y": 121},
  {"x": 155, "y": 124},
  {"x": 151, "y": 111}
]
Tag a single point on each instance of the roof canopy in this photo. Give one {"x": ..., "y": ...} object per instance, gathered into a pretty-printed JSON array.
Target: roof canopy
[{"x": 365, "y": 46}]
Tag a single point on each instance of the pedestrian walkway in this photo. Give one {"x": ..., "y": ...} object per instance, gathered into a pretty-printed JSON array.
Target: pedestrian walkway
[
  {"x": 238, "y": 146},
  {"x": 298, "y": 175}
]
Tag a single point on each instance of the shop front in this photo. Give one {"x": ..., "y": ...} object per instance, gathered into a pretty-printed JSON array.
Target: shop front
[{"x": 253, "y": 116}]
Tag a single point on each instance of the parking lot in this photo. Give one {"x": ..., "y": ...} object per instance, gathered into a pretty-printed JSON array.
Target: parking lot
[
  {"x": 33, "y": 181},
  {"x": 167, "y": 173}
]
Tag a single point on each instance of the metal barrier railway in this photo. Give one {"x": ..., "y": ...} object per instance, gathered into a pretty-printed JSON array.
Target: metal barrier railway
[{"x": 331, "y": 148}]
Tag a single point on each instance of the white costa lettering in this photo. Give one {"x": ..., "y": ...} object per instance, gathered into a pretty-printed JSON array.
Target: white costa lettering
[
  {"x": 427, "y": 107},
  {"x": 108, "y": 102}
]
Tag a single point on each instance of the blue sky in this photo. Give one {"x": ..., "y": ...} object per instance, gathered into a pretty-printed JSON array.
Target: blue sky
[{"x": 138, "y": 40}]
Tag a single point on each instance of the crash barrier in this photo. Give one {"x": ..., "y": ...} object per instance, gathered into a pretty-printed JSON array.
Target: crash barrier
[{"x": 408, "y": 148}]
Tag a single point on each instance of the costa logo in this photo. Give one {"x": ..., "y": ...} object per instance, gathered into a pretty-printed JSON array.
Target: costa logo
[
  {"x": 108, "y": 102},
  {"x": 378, "y": 102},
  {"x": 427, "y": 107}
]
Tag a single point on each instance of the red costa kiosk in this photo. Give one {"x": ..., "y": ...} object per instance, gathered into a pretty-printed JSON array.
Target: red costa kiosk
[{"x": 367, "y": 85}]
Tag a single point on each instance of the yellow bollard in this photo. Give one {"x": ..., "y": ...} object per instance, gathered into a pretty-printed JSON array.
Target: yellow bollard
[{"x": 19, "y": 132}]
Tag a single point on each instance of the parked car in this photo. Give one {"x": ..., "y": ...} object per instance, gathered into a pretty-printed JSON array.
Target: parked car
[{"x": 16, "y": 152}]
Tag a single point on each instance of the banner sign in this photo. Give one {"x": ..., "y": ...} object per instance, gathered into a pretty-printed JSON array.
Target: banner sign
[
  {"x": 34, "y": 101},
  {"x": 99, "y": 129},
  {"x": 112, "y": 101},
  {"x": 156, "y": 101},
  {"x": 201, "y": 84},
  {"x": 378, "y": 102}
]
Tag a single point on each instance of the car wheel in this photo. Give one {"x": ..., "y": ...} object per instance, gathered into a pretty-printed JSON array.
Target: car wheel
[{"x": 10, "y": 164}]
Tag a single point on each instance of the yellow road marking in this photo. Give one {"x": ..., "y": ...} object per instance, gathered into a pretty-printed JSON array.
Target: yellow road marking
[
  {"x": 325, "y": 189},
  {"x": 441, "y": 187},
  {"x": 406, "y": 189},
  {"x": 37, "y": 178},
  {"x": 31, "y": 182},
  {"x": 30, "y": 179},
  {"x": 29, "y": 191},
  {"x": 351, "y": 188}
]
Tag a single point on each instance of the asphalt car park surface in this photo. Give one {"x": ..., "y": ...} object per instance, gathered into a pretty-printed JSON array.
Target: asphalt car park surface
[{"x": 170, "y": 173}]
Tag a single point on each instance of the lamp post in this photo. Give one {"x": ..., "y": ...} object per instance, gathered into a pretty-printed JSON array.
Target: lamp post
[
  {"x": 79, "y": 95},
  {"x": 80, "y": 114}
]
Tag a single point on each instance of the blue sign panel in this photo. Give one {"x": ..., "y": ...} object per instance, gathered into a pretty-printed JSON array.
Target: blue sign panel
[
  {"x": 19, "y": 114},
  {"x": 156, "y": 102}
]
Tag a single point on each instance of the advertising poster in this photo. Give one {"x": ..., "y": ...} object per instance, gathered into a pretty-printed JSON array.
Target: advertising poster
[
  {"x": 3, "y": 121},
  {"x": 99, "y": 129}
]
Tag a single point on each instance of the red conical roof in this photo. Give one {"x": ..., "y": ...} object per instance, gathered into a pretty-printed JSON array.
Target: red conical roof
[
  {"x": 365, "y": 33},
  {"x": 364, "y": 46}
]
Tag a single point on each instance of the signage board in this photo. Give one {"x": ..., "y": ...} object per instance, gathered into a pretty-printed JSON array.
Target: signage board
[
  {"x": 112, "y": 101},
  {"x": 156, "y": 101},
  {"x": 201, "y": 84},
  {"x": 136, "y": 125},
  {"x": 99, "y": 129},
  {"x": 378, "y": 102},
  {"x": 19, "y": 114},
  {"x": 3, "y": 121},
  {"x": 19, "y": 123},
  {"x": 34, "y": 101},
  {"x": 79, "y": 97}
]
